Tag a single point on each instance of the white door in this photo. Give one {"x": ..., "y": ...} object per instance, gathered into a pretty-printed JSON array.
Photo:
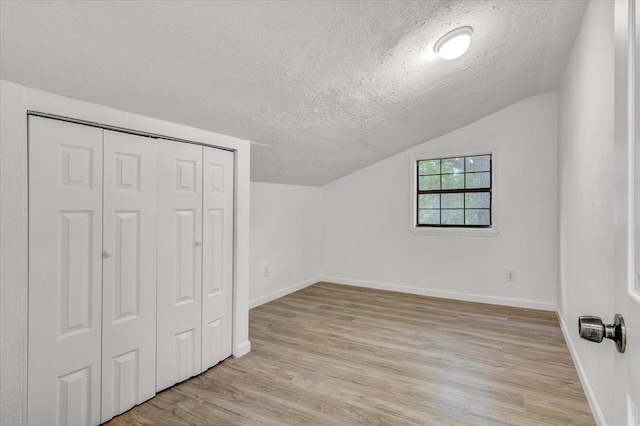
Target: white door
[
  {"x": 217, "y": 264},
  {"x": 626, "y": 384},
  {"x": 129, "y": 272},
  {"x": 179, "y": 262},
  {"x": 65, "y": 273}
]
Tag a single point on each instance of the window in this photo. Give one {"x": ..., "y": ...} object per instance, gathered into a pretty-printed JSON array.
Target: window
[{"x": 454, "y": 192}]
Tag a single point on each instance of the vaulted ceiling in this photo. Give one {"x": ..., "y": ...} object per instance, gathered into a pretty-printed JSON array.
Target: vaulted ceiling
[{"x": 322, "y": 88}]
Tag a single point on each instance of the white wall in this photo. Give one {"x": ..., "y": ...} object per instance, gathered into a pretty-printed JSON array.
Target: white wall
[
  {"x": 14, "y": 104},
  {"x": 366, "y": 218},
  {"x": 286, "y": 236},
  {"x": 586, "y": 203}
]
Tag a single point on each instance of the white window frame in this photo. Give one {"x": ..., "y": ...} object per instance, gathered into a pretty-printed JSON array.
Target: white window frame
[{"x": 461, "y": 231}]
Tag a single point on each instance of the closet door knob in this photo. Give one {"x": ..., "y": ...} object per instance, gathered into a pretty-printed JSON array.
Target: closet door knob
[
  {"x": 108, "y": 253},
  {"x": 198, "y": 242}
]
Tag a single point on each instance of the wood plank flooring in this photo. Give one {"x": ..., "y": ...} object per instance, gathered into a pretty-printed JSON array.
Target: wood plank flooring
[{"x": 339, "y": 355}]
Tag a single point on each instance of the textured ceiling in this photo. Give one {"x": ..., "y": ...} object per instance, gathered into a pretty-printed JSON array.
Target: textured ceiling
[{"x": 323, "y": 88}]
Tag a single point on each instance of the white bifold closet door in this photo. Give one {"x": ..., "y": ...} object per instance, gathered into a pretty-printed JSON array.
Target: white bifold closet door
[
  {"x": 130, "y": 268},
  {"x": 195, "y": 259},
  {"x": 129, "y": 272},
  {"x": 65, "y": 273},
  {"x": 217, "y": 263},
  {"x": 92, "y": 272},
  {"x": 179, "y": 262}
]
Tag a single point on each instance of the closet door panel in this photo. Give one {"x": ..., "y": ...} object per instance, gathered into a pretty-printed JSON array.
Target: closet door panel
[
  {"x": 129, "y": 272},
  {"x": 217, "y": 282},
  {"x": 65, "y": 273},
  {"x": 179, "y": 262}
]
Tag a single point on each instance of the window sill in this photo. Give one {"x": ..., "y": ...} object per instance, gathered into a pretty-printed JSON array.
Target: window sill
[{"x": 463, "y": 232}]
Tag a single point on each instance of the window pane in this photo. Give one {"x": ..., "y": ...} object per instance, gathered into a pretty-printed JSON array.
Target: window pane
[
  {"x": 429, "y": 167},
  {"x": 478, "y": 180},
  {"x": 480, "y": 163},
  {"x": 427, "y": 183},
  {"x": 429, "y": 201},
  {"x": 477, "y": 200},
  {"x": 452, "y": 217},
  {"x": 428, "y": 217},
  {"x": 446, "y": 188},
  {"x": 452, "y": 201},
  {"x": 453, "y": 181},
  {"x": 453, "y": 165},
  {"x": 477, "y": 217}
]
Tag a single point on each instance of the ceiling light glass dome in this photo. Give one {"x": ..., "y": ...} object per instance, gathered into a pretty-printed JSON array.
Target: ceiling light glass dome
[{"x": 454, "y": 43}]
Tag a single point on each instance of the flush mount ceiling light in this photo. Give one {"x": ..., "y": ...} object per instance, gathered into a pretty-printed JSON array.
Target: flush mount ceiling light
[{"x": 453, "y": 44}]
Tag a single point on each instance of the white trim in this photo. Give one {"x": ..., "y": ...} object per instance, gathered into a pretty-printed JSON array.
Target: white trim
[
  {"x": 450, "y": 232},
  {"x": 466, "y": 297},
  {"x": 281, "y": 293},
  {"x": 633, "y": 289},
  {"x": 468, "y": 232},
  {"x": 13, "y": 259},
  {"x": 241, "y": 245},
  {"x": 584, "y": 380},
  {"x": 242, "y": 349}
]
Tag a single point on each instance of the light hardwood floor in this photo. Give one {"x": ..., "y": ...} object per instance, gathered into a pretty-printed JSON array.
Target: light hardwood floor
[{"x": 339, "y": 355}]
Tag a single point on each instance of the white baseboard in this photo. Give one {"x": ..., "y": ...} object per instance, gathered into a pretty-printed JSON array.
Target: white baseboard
[
  {"x": 280, "y": 293},
  {"x": 586, "y": 386},
  {"x": 242, "y": 349},
  {"x": 467, "y": 297}
]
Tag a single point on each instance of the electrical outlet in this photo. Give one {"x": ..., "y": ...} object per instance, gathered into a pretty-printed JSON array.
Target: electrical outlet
[
  {"x": 266, "y": 272},
  {"x": 511, "y": 275}
]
